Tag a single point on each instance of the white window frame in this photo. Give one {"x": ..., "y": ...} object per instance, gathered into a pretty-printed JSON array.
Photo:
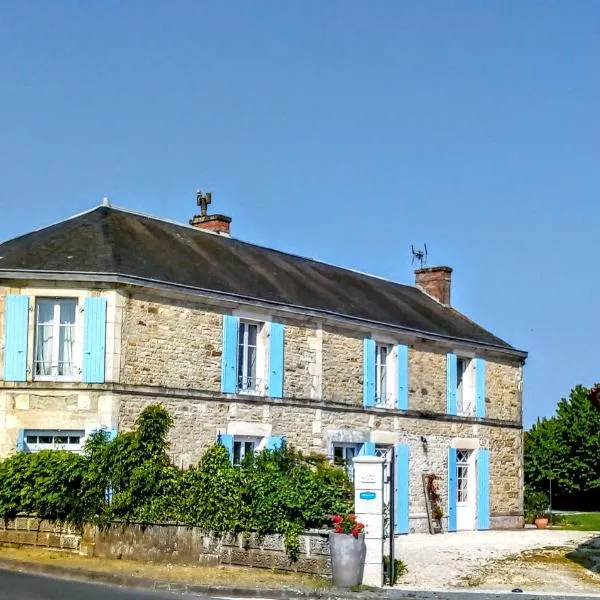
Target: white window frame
[
  {"x": 348, "y": 464},
  {"x": 391, "y": 382},
  {"x": 465, "y": 386},
  {"x": 243, "y": 440},
  {"x": 256, "y": 387},
  {"x": 76, "y": 376},
  {"x": 37, "y": 446}
]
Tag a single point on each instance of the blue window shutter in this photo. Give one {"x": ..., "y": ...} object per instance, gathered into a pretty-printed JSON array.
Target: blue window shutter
[
  {"x": 367, "y": 449},
  {"x": 483, "y": 488},
  {"x": 94, "y": 339},
  {"x": 451, "y": 372},
  {"x": 226, "y": 440},
  {"x": 402, "y": 357},
  {"x": 452, "y": 491},
  {"x": 16, "y": 324},
  {"x": 480, "y": 387},
  {"x": 21, "y": 441},
  {"x": 276, "y": 360},
  {"x": 369, "y": 372},
  {"x": 229, "y": 357},
  {"x": 401, "y": 491},
  {"x": 275, "y": 442}
]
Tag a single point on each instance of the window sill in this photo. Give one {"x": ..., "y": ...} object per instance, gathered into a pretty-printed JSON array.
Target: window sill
[{"x": 57, "y": 378}]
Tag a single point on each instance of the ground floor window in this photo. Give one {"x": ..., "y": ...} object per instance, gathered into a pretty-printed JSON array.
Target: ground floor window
[
  {"x": 53, "y": 439},
  {"x": 242, "y": 447},
  {"x": 343, "y": 455}
]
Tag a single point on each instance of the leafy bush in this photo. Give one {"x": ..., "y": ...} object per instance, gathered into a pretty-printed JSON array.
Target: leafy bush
[
  {"x": 131, "y": 478},
  {"x": 536, "y": 504},
  {"x": 400, "y": 569}
]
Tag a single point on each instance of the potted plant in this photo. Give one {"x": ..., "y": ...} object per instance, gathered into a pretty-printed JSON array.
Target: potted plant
[
  {"x": 348, "y": 550},
  {"x": 541, "y": 520},
  {"x": 536, "y": 507}
]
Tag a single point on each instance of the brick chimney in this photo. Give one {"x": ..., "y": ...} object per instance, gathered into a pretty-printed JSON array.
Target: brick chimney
[
  {"x": 435, "y": 281},
  {"x": 216, "y": 223}
]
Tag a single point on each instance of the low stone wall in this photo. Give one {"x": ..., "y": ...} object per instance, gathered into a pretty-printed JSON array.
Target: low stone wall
[
  {"x": 31, "y": 531},
  {"x": 181, "y": 544},
  {"x": 169, "y": 543}
]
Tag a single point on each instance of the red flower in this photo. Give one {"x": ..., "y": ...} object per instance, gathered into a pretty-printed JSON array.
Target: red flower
[
  {"x": 338, "y": 529},
  {"x": 336, "y": 519},
  {"x": 355, "y": 532},
  {"x": 352, "y": 517}
]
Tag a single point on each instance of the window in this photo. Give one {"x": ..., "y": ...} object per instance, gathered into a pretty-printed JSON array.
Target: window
[
  {"x": 248, "y": 382},
  {"x": 383, "y": 387},
  {"x": 242, "y": 447},
  {"x": 465, "y": 393},
  {"x": 343, "y": 455},
  {"x": 36, "y": 440},
  {"x": 462, "y": 475},
  {"x": 55, "y": 338}
]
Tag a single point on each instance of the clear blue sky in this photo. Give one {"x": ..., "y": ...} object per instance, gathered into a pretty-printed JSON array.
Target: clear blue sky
[{"x": 340, "y": 130}]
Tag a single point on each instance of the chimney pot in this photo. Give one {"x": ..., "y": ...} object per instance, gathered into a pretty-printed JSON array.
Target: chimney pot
[
  {"x": 215, "y": 223},
  {"x": 436, "y": 282}
]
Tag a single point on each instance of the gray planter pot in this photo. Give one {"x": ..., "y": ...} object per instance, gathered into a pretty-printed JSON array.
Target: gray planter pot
[{"x": 347, "y": 558}]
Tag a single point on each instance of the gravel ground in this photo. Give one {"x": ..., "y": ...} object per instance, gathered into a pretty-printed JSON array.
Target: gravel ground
[{"x": 467, "y": 559}]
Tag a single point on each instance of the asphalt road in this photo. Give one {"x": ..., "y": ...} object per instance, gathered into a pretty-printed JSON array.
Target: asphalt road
[
  {"x": 16, "y": 585},
  {"x": 24, "y": 586}
]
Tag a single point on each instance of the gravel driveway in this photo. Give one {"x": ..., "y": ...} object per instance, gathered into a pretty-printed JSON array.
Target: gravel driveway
[{"x": 444, "y": 561}]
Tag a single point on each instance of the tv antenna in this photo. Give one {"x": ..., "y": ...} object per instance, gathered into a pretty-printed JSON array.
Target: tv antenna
[{"x": 420, "y": 255}]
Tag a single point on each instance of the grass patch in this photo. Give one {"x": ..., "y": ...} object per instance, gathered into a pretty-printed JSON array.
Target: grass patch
[
  {"x": 192, "y": 574},
  {"x": 580, "y": 522}
]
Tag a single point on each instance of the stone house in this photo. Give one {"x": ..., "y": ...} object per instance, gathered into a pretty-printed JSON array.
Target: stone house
[{"x": 109, "y": 311}]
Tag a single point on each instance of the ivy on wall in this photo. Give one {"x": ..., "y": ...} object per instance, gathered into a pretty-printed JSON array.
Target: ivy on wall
[{"x": 131, "y": 479}]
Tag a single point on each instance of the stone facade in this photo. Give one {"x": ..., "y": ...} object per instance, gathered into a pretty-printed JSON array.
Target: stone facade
[
  {"x": 175, "y": 344},
  {"x": 168, "y": 350}
]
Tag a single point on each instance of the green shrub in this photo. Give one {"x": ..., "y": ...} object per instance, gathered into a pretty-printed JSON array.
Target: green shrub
[
  {"x": 400, "y": 569},
  {"x": 131, "y": 478}
]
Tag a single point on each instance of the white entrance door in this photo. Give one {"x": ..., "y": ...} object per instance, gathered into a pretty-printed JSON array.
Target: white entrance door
[{"x": 466, "y": 501}]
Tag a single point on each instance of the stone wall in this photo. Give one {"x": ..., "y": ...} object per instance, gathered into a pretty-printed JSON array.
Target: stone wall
[
  {"x": 177, "y": 344},
  {"x": 503, "y": 396},
  {"x": 427, "y": 380},
  {"x": 342, "y": 367},
  {"x": 313, "y": 429},
  {"x": 302, "y": 361},
  {"x": 53, "y": 406},
  {"x": 26, "y": 530},
  {"x": 180, "y": 544}
]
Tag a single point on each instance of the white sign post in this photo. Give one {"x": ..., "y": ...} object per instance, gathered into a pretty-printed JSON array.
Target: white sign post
[{"x": 368, "y": 506}]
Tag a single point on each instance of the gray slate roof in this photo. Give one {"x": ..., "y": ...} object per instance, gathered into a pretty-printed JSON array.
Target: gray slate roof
[{"x": 108, "y": 240}]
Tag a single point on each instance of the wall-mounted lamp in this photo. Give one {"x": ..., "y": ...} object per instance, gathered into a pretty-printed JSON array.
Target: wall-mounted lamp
[{"x": 424, "y": 442}]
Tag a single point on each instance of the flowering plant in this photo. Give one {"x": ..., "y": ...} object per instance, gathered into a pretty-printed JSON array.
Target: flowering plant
[{"x": 347, "y": 524}]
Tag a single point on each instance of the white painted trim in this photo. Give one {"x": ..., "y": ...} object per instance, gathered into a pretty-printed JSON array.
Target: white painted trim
[
  {"x": 385, "y": 438},
  {"x": 464, "y": 443},
  {"x": 249, "y": 429}
]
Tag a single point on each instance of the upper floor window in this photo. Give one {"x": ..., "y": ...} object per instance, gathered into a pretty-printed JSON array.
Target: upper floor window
[
  {"x": 55, "y": 338},
  {"x": 37, "y": 439},
  {"x": 465, "y": 390},
  {"x": 248, "y": 341},
  {"x": 383, "y": 383}
]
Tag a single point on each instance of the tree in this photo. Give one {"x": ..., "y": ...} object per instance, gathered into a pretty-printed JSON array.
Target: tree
[{"x": 566, "y": 449}]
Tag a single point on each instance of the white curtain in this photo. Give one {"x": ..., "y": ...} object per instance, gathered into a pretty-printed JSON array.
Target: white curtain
[{"x": 45, "y": 337}]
